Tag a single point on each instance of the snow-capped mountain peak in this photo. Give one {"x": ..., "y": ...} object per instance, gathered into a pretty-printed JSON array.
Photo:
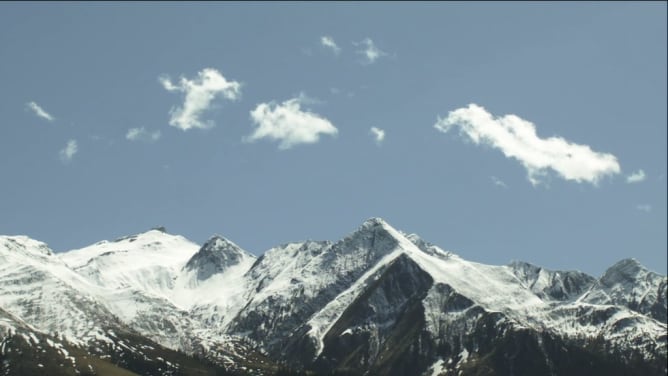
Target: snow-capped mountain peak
[
  {"x": 549, "y": 284},
  {"x": 374, "y": 222},
  {"x": 23, "y": 245},
  {"x": 628, "y": 283},
  {"x": 147, "y": 261},
  {"x": 366, "y": 301},
  {"x": 374, "y": 238},
  {"x": 627, "y": 270},
  {"x": 152, "y": 243},
  {"x": 215, "y": 256}
]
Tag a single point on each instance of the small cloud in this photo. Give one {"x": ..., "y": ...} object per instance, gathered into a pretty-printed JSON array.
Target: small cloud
[
  {"x": 166, "y": 82},
  {"x": 337, "y": 91},
  {"x": 39, "y": 111},
  {"x": 378, "y": 135},
  {"x": 141, "y": 134},
  {"x": 636, "y": 177},
  {"x": 498, "y": 182},
  {"x": 517, "y": 139},
  {"x": 199, "y": 93},
  {"x": 369, "y": 51},
  {"x": 302, "y": 98},
  {"x": 68, "y": 152},
  {"x": 288, "y": 124},
  {"x": 328, "y": 42},
  {"x": 644, "y": 207}
]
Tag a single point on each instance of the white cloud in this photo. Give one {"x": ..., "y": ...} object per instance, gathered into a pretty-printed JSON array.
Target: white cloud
[
  {"x": 199, "y": 93},
  {"x": 39, "y": 111},
  {"x": 644, "y": 207},
  {"x": 141, "y": 134},
  {"x": 288, "y": 124},
  {"x": 378, "y": 135},
  {"x": 328, "y": 42},
  {"x": 302, "y": 98},
  {"x": 636, "y": 177},
  {"x": 67, "y": 153},
  {"x": 498, "y": 182},
  {"x": 517, "y": 139},
  {"x": 369, "y": 51}
]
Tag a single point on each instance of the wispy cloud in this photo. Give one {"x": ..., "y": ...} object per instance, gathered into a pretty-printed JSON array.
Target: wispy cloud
[
  {"x": 328, "y": 42},
  {"x": 199, "y": 94},
  {"x": 644, "y": 207},
  {"x": 498, "y": 182},
  {"x": 288, "y": 124},
  {"x": 337, "y": 91},
  {"x": 378, "y": 135},
  {"x": 369, "y": 51},
  {"x": 517, "y": 139},
  {"x": 636, "y": 177},
  {"x": 141, "y": 134},
  {"x": 39, "y": 111},
  {"x": 68, "y": 152}
]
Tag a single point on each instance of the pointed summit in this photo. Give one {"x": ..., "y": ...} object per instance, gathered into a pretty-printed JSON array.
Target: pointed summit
[
  {"x": 624, "y": 271},
  {"x": 628, "y": 283},
  {"x": 370, "y": 241},
  {"x": 215, "y": 256},
  {"x": 375, "y": 225},
  {"x": 374, "y": 222}
]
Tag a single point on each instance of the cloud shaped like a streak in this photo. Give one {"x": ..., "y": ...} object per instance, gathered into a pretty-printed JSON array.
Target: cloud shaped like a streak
[
  {"x": 636, "y": 177},
  {"x": 39, "y": 111},
  {"x": 517, "y": 139},
  {"x": 378, "y": 135},
  {"x": 141, "y": 134},
  {"x": 369, "y": 51},
  {"x": 327, "y": 41},
  {"x": 199, "y": 95},
  {"x": 498, "y": 182},
  {"x": 68, "y": 152},
  {"x": 288, "y": 124},
  {"x": 644, "y": 207}
]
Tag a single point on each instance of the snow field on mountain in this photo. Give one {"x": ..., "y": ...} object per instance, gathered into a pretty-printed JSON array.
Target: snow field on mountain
[
  {"x": 220, "y": 296},
  {"x": 147, "y": 262}
]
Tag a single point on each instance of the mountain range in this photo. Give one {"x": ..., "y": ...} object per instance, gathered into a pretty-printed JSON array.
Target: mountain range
[{"x": 377, "y": 302}]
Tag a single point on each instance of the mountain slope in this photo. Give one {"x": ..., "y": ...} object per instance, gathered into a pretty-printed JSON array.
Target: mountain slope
[
  {"x": 629, "y": 284},
  {"x": 464, "y": 296},
  {"x": 53, "y": 321},
  {"x": 378, "y": 301}
]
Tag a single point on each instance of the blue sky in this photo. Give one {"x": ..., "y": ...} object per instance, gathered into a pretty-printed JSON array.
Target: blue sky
[{"x": 501, "y": 131}]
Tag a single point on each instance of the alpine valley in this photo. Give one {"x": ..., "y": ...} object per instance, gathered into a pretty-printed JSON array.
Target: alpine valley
[{"x": 378, "y": 302}]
